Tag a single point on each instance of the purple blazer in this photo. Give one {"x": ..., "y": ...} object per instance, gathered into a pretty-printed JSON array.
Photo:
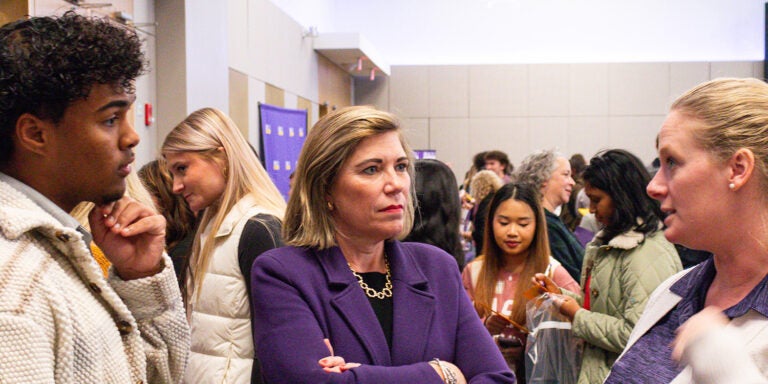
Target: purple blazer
[{"x": 301, "y": 296}]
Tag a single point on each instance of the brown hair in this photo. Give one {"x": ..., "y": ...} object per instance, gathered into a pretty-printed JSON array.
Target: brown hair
[
  {"x": 180, "y": 220},
  {"x": 329, "y": 143}
]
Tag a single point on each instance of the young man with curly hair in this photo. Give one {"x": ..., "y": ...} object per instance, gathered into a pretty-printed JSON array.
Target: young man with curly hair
[{"x": 66, "y": 88}]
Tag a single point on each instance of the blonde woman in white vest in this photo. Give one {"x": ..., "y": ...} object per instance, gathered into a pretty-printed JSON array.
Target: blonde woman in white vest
[{"x": 215, "y": 170}]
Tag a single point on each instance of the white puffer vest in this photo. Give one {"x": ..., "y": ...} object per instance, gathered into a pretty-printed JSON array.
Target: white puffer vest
[{"x": 220, "y": 319}]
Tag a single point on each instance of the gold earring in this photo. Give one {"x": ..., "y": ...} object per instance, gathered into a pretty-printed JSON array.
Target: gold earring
[{"x": 330, "y": 206}]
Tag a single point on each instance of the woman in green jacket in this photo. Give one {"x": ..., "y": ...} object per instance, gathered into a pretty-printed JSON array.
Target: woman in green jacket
[{"x": 623, "y": 264}]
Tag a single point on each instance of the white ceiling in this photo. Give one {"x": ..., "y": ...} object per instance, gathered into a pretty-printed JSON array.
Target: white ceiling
[{"x": 443, "y": 32}]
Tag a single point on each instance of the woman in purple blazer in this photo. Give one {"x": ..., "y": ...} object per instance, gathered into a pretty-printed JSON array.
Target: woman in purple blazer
[{"x": 346, "y": 303}]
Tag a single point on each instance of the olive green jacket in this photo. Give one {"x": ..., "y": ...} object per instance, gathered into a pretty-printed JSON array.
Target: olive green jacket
[{"x": 624, "y": 274}]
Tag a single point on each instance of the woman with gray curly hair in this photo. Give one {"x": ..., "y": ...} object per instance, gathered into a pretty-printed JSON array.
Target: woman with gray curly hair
[{"x": 550, "y": 172}]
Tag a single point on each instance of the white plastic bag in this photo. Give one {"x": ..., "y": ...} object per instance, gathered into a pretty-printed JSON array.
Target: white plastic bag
[{"x": 552, "y": 354}]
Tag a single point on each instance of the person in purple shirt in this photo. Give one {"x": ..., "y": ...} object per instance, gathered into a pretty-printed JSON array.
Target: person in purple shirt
[
  {"x": 708, "y": 324},
  {"x": 346, "y": 302}
]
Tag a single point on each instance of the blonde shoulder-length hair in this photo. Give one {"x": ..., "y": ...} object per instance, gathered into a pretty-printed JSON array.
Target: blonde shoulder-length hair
[
  {"x": 211, "y": 134},
  {"x": 308, "y": 222}
]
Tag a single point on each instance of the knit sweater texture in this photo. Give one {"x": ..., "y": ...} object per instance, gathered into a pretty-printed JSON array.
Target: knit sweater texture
[{"x": 62, "y": 321}]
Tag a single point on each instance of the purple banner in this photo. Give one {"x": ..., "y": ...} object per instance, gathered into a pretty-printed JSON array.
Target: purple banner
[
  {"x": 425, "y": 153},
  {"x": 282, "y": 134}
]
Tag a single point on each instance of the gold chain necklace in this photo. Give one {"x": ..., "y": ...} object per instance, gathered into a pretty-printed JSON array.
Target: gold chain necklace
[{"x": 370, "y": 292}]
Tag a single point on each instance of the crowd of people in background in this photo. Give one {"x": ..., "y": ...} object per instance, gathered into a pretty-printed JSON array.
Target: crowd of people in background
[{"x": 379, "y": 268}]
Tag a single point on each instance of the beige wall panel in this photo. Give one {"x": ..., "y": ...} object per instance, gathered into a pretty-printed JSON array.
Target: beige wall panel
[
  {"x": 757, "y": 70},
  {"x": 684, "y": 76},
  {"x": 549, "y": 89},
  {"x": 638, "y": 88},
  {"x": 731, "y": 69},
  {"x": 409, "y": 91},
  {"x": 335, "y": 85},
  {"x": 449, "y": 91},
  {"x": 11, "y": 10},
  {"x": 508, "y": 134},
  {"x": 587, "y": 135},
  {"x": 608, "y": 105},
  {"x": 416, "y": 132},
  {"x": 237, "y": 35},
  {"x": 588, "y": 89},
  {"x": 449, "y": 137},
  {"x": 636, "y": 134},
  {"x": 305, "y": 104},
  {"x": 548, "y": 132},
  {"x": 238, "y": 100},
  {"x": 498, "y": 90},
  {"x": 274, "y": 95},
  {"x": 374, "y": 92}
]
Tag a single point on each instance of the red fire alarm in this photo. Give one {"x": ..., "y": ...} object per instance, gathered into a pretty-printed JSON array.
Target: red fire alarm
[{"x": 148, "y": 118}]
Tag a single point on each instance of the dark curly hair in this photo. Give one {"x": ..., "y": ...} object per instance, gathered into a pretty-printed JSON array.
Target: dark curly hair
[{"x": 46, "y": 63}]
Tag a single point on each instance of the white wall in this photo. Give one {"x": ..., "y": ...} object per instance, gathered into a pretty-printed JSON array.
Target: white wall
[
  {"x": 206, "y": 60},
  {"x": 146, "y": 85},
  {"x": 191, "y": 56},
  {"x": 440, "y": 32},
  {"x": 266, "y": 45}
]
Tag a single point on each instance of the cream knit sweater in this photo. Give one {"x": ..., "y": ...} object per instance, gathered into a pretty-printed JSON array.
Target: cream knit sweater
[{"x": 61, "y": 321}]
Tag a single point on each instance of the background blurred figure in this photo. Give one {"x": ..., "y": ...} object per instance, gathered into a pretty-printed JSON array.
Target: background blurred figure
[
  {"x": 516, "y": 249},
  {"x": 578, "y": 165},
  {"x": 570, "y": 214},
  {"x": 438, "y": 213},
  {"x": 216, "y": 170},
  {"x": 478, "y": 164},
  {"x": 468, "y": 204},
  {"x": 135, "y": 190},
  {"x": 181, "y": 221},
  {"x": 498, "y": 162},
  {"x": 708, "y": 323},
  {"x": 550, "y": 173},
  {"x": 625, "y": 262},
  {"x": 484, "y": 185},
  {"x": 291, "y": 182},
  {"x": 345, "y": 275}
]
